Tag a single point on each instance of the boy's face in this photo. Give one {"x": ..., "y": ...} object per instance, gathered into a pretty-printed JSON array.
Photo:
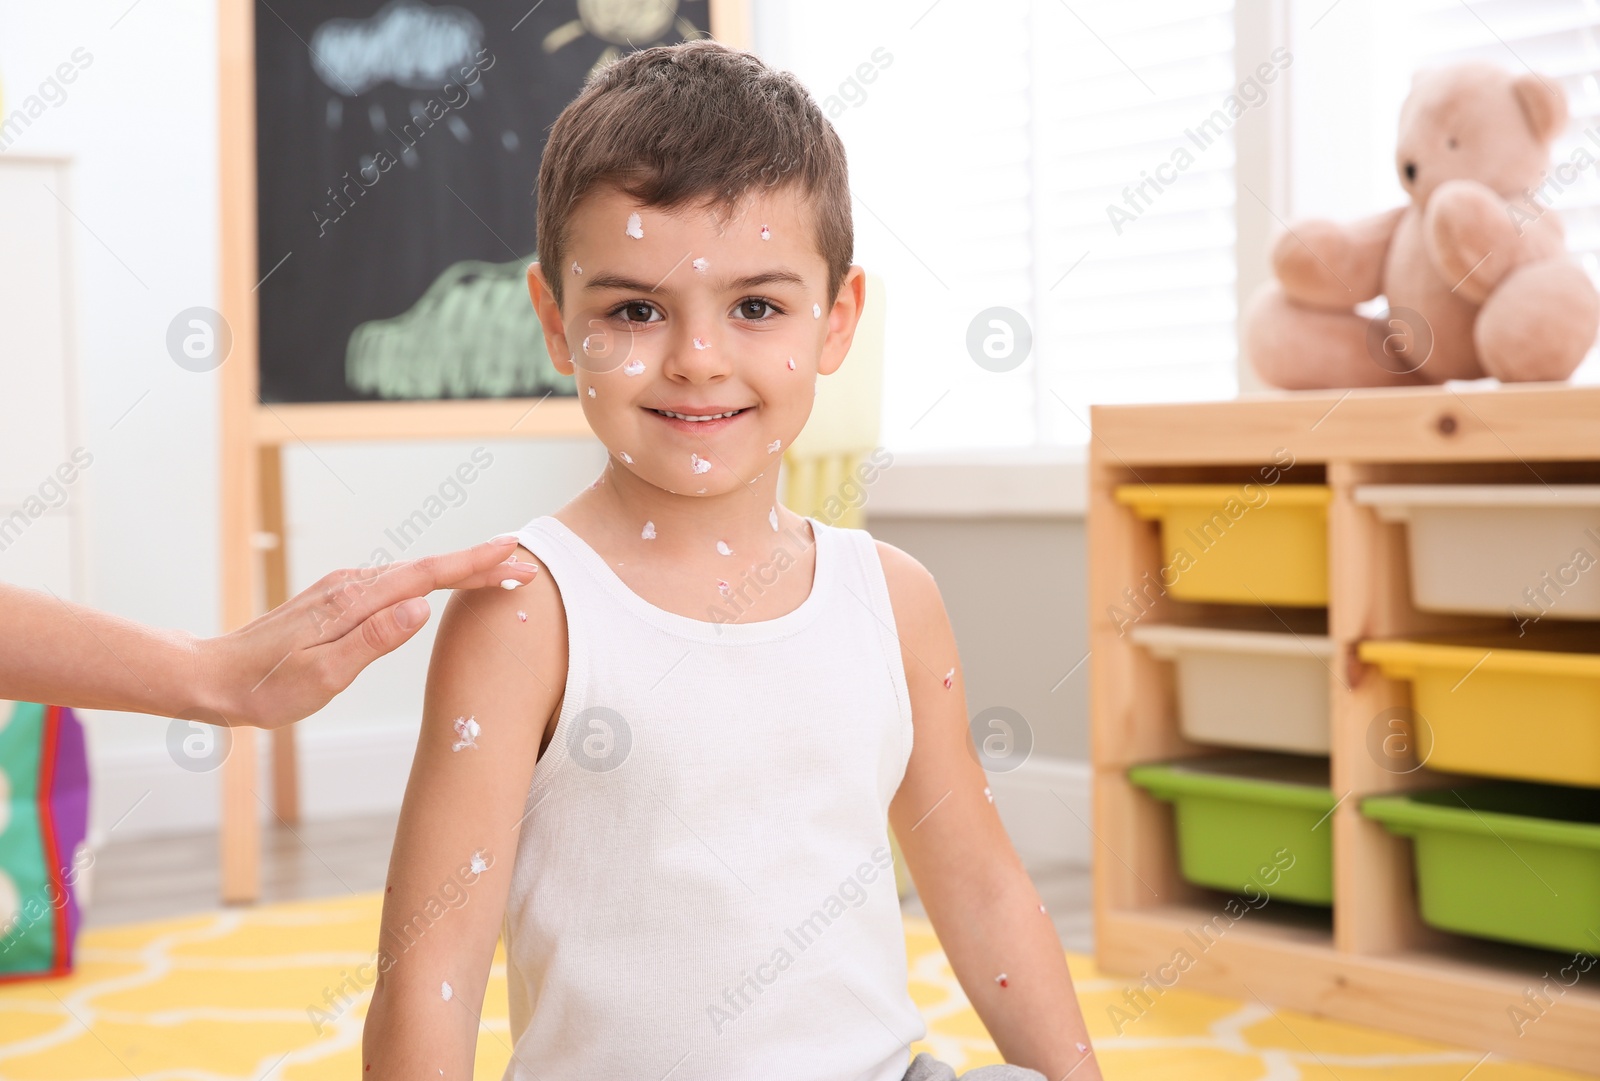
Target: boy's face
[{"x": 696, "y": 315}]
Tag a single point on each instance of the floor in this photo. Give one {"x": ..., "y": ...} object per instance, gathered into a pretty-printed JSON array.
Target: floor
[{"x": 161, "y": 877}]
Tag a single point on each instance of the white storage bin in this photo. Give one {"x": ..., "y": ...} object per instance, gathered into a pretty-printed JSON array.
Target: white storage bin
[
  {"x": 1265, "y": 689},
  {"x": 1521, "y": 550}
]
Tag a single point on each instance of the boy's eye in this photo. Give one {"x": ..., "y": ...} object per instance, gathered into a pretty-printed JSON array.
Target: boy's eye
[
  {"x": 637, "y": 311},
  {"x": 755, "y": 308}
]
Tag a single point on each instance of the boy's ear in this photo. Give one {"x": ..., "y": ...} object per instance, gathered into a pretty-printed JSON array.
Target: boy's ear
[
  {"x": 549, "y": 313},
  {"x": 842, "y": 320}
]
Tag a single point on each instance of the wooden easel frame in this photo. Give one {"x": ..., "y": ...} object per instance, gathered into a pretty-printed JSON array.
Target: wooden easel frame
[{"x": 253, "y": 434}]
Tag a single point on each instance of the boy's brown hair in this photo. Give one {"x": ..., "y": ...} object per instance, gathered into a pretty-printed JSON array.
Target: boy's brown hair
[{"x": 694, "y": 123}]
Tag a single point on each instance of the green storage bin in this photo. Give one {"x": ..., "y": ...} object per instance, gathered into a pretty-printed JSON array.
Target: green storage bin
[
  {"x": 1251, "y": 822},
  {"x": 1507, "y": 860}
]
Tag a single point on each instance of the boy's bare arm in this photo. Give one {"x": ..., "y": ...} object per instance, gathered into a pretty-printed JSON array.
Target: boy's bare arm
[
  {"x": 492, "y": 684},
  {"x": 979, "y": 898}
]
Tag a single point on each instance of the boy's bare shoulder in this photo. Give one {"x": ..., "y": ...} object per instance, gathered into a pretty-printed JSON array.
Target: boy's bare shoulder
[
  {"x": 913, "y": 593},
  {"x": 516, "y": 634}
]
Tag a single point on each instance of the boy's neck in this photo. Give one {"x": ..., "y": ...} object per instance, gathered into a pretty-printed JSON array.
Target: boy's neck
[{"x": 619, "y": 504}]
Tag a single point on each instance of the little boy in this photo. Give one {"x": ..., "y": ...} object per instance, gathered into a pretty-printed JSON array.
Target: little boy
[{"x": 666, "y": 767}]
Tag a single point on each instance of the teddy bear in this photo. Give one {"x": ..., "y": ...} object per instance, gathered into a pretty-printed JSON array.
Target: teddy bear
[{"x": 1474, "y": 270}]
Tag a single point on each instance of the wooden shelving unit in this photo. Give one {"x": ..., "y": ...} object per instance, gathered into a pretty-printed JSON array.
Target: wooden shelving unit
[{"x": 1372, "y": 961}]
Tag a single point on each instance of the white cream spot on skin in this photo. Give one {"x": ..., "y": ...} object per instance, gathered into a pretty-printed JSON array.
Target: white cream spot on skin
[
  {"x": 949, "y": 679},
  {"x": 723, "y": 588},
  {"x": 766, "y": 233},
  {"x": 479, "y": 864},
  {"x": 701, "y": 343},
  {"x": 1083, "y": 1048},
  {"x": 509, "y": 583},
  {"x": 791, "y": 364},
  {"x": 701, "y": 265},
  {"x": 701, "y": 491},
  {"x": 699, "y": 464},
  {"x": 635, "y": 226},
  {"x": 522, "y": 617},
  {"x": 988, "y": 794},
  {"x": 447, "y": 993},
  {"x": 467, "y": 728},
  {"x": 772, "y": 519},
  {"x": 649, "y": 531},
  {"x": 773, "y": 447},
  {"x": 576, "y": 269},
  {"x": 591, "y": 392},
  {"x": 723, "y": 549},
  {"x": 625, "y": 456},
  {"x": 633, "y": 367},
  {"x": 816, "y": 311}
]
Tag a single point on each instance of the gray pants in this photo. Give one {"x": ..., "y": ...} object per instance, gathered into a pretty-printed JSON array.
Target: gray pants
[{"x": 927, "y": 1068}]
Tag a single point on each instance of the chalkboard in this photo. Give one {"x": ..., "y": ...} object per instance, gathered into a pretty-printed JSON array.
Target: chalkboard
[{"x": 397, "y": 150}]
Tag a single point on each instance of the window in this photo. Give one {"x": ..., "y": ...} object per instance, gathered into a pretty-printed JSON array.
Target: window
[{"x": 1065, "y": 163}]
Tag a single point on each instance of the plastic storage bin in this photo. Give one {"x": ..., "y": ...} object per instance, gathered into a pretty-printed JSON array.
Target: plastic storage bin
[
  {"x": 1247, "y": 688},
  {"x": 1509, "y": 861},
  {"x": 1251, "y": 822},
  {"x": 1528, "y": 550},
  {"x": 1225, "y": 542},
  {"x": 1493, "y": 710}
]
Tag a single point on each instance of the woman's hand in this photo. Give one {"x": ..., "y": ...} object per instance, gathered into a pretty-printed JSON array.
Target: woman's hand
[{"x": 290, "y": 662}]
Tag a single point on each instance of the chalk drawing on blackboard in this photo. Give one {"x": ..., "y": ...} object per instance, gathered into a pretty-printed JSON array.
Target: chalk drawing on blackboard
[
  {"x": 637, "y": 24},
  {"x": 473, "y": 334},
  {"x": 406, "y": 42}
]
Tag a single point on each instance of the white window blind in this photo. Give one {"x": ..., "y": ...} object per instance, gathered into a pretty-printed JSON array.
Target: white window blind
[
  {"x": 1557, "y": 39},
  {"x": 984, "y": 157}
]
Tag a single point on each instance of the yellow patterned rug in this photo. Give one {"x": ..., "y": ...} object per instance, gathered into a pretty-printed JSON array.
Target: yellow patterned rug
[{"x": 228, "y": 995}]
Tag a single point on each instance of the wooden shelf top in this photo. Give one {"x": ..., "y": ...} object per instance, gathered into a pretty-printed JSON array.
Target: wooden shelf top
[{"x": 1451, "y": 423}]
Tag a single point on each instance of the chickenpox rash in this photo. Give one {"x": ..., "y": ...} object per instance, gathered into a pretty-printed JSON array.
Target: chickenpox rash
[
  {"x": 1002, "y": 981},
  {"x": 766, "y": 233}
]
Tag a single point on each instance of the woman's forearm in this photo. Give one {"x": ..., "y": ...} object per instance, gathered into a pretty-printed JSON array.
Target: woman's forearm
[{"x": 67, "y": 654}]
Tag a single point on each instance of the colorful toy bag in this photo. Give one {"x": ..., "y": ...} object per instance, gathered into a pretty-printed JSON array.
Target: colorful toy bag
[{"x": 44, "y": 813}]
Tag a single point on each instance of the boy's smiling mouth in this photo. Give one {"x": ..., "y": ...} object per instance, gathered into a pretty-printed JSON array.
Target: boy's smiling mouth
[{"x": 700, "y": 420}]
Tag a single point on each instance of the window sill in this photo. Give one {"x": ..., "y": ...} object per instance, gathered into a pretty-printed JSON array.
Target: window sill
[{"x": 1042, "y": 482}]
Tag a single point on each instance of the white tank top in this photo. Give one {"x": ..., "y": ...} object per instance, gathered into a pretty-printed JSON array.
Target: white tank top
[{"x": 703, "y": 885}]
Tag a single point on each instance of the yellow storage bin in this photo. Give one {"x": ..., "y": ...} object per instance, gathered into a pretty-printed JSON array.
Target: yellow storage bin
[
  {"x": 1239, "y": 543},
  {"x": 1490, "y": 709}
]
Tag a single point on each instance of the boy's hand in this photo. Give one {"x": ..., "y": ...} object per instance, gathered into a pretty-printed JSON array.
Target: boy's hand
[{"x": 290, "y": 662}]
